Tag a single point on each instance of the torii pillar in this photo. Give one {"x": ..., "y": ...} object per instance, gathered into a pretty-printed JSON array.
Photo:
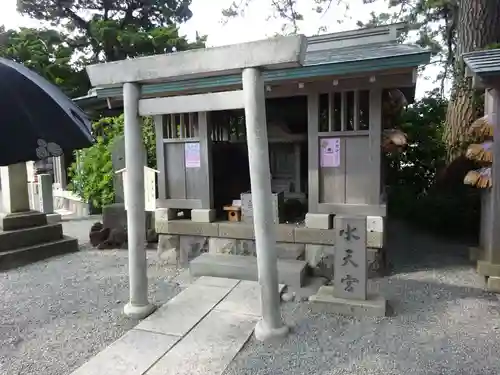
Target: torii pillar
[{"x": 489, "y": 264}]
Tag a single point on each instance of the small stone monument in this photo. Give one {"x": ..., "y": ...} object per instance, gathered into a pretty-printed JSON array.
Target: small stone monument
[
  {"x": 348, "y": 295},
  {"x": 149, "y": 187},
  {"x": 114, "y": 216},
  {"x": 118, "y": 162},
  {"x": 46, "y": 198}
]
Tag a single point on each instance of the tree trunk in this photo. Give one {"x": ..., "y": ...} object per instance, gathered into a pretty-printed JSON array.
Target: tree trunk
[{"x": 478, "y": 26}]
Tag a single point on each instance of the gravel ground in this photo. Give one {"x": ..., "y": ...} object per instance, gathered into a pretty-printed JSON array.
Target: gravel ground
[
  {"x": 442, "y": 323},
  {"x": 56, "y": 314}
]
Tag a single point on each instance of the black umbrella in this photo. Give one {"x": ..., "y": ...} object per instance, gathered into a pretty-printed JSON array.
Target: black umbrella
[{"x": 36, "y": 119}]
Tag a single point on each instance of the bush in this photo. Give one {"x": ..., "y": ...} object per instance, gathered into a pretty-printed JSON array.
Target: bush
[
  {"x": 92, "y": 173},
  {"x": 414, "y": 193}
]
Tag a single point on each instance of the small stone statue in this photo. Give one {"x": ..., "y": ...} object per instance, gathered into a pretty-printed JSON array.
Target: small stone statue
[
  {"x": 98, "y": 234},
  {"x": 116, "y": 239},
  {"x": 106, "y": 238}
]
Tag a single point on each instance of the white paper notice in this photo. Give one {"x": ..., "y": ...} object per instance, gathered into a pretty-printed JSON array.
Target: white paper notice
[
  {"x": 192, "y": 155},
  {"x": 330, "y": 152}
]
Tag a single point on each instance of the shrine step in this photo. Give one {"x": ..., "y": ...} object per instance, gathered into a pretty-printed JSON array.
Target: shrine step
[
  {"x": 30, "y": 254},
  {"x": 28, "y": 219},
  {"x": 290, "y": 272},
  {"x": 15, "y": 239}
]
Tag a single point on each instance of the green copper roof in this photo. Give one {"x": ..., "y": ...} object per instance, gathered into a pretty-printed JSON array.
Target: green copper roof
[
  {"x": 359, "y": 53},
  {"x": 484, "y": 63},
  {"x": 365, "y": 58}
]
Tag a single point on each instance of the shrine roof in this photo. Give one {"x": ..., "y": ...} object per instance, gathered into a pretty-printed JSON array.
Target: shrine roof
[
  {"x": 483, "y": 63},
  {"x": 346, "y": 53},
  {"x": 375, "y": 51}
]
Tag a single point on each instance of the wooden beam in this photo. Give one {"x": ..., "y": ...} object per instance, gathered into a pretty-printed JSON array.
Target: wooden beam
[
  {"x": 394, "y": 78},
  {"x": 345, "y": 83},
  {"x": 192, "y": 103}
]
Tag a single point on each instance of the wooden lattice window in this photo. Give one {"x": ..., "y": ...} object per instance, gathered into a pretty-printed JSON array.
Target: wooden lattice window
[
  {"x": 181, "y": 126},
  {"x": 227, "y": 126},
  {"x": 344, "y": 111}
]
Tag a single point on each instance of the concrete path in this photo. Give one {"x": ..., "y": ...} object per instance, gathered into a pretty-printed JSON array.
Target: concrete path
[{"x": 199, "y": 331}]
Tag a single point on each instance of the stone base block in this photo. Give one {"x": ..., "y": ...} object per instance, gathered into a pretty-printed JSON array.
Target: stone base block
[
  {"x": 190, "y": 248},
  {"x": 319, "y": 221},
  {"x": 324, "y": 301},
  {"x": 375, "y": 228},
  {"x": 485, "y": 268},
  {"x": 247, "y": 247},
  {"x": 166, "y": 214},
  {"x": 290, "y": 272},
  {"x": 375, "y": 224},
  {"x": 53, "y": 218},
  {"x": 290, "y": 250},
  {"x": 221, "y": 245},
  {"x": 493, "y": 284},
  {"x": 179, "y": 250},
  {"x": 21, "y": 220},
  {"x": 203, "y": 215},
  {"x": 169, "y": 248}
]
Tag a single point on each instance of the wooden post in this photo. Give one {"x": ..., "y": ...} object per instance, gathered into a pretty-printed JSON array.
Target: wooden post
[
  {"x": 160, "y": 156},
  {"x": 207, "y": 199},
  {"x": 297, "y": 157},
  {"x": 375, "y": 130},
  {"x": 312, "y": 157},
  {"x": 492, "y": 250}
]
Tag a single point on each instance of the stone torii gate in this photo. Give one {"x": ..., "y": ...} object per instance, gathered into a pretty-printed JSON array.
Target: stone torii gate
[{"x": 248, "y": 59}]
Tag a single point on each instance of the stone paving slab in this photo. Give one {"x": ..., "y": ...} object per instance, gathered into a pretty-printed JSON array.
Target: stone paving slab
[
  {"x": 209, "y": 347},
  {"x": 132, "y": 354},
  {"x": 217, "y": 281},
  {"x": 244, "y": 299},
  {"x": 178, "y": 316}
]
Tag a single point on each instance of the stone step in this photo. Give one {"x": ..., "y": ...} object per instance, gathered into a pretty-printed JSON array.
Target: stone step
[
  {"x": 290, "y": 272},
  {"x": 22, "y": 220},
  {"x": 30, "y": 254},
  {"x": 15, "y": 239}
]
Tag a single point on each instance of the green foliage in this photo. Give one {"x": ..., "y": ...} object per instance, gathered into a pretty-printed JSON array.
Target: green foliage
[
  {"x": 92, "y": 173},
  {"x": 93, "y": 31},
  {"x": 46, "y": 52},
  {"x": 415, "y": 192},
  {"x": 417, "y": 166},
  {"x": 114, "y": 29}
]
